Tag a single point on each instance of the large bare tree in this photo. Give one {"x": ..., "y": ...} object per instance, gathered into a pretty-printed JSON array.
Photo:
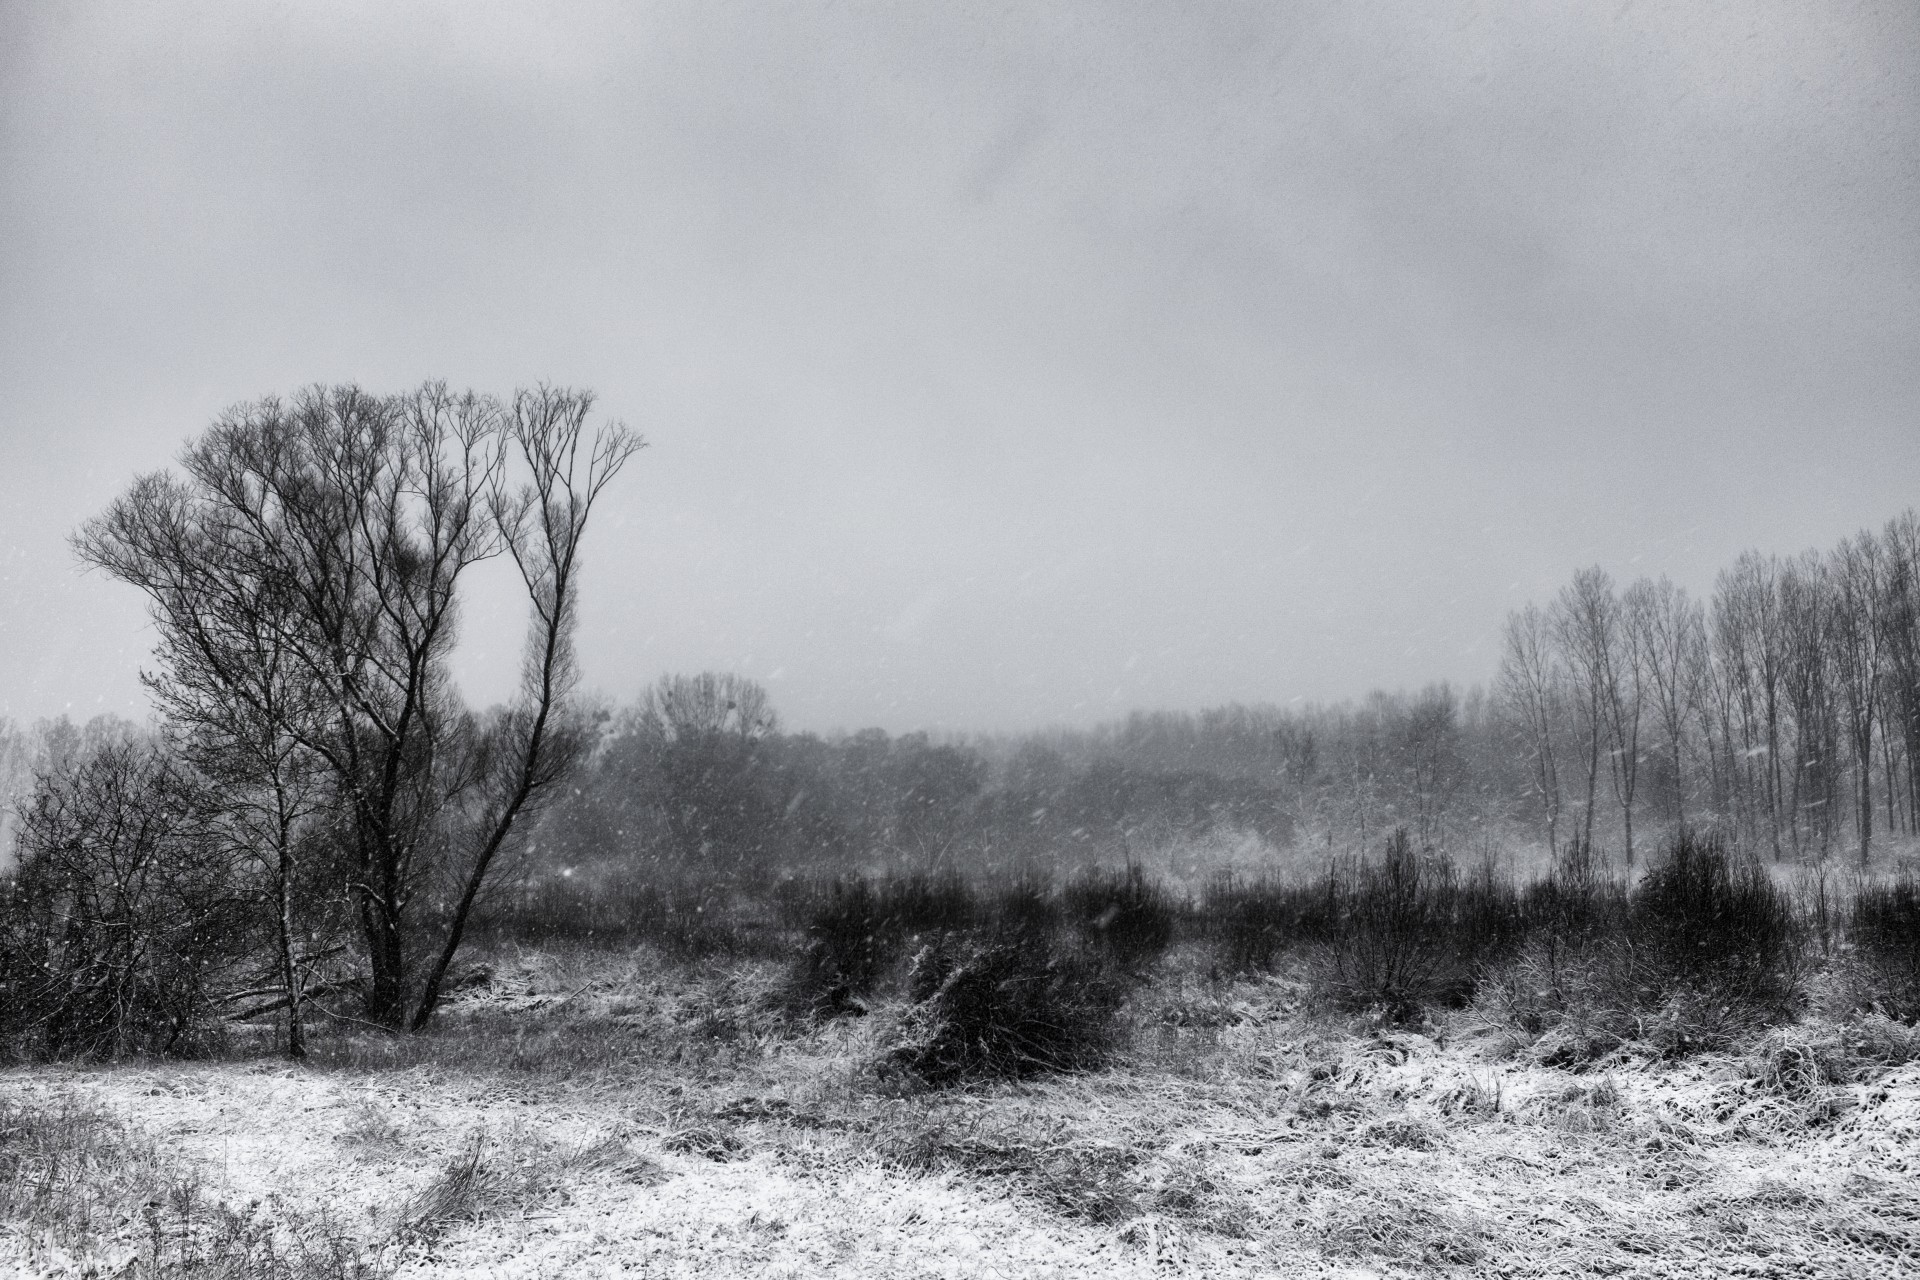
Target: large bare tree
[
  {"x": 345, "y": 521},
  {"x": 1900, "y": 655}
]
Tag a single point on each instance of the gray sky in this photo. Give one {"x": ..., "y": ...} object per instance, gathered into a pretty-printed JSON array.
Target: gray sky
[{"x": 1002, "y": 365}]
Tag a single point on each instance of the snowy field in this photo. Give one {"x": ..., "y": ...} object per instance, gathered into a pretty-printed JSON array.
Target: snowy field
[{"x": 592, "y": 1113}]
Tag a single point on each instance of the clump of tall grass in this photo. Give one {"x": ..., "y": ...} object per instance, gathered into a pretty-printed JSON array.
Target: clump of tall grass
[
  {"x": 1025, "y": 910},
  {"x": 991, "y": 1005}
]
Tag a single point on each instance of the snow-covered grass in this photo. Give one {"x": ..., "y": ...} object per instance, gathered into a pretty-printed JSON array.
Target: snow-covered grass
[{"x": 588, "y": 1113}]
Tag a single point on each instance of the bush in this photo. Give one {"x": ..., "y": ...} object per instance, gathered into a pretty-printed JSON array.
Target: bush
[
  {"x": 847, "y": 946},
  {"x": 1253, "y": 923},
  {"x": 1025, "y": 912},
  {"x": 993, "y": 1006},
  {"x": 859, "y": 931},
  {"x": 125, "y": 916},
  {"x": 1126, "y": 919},
  {"x": 920, "y": 903},
  {"x": 1701, "y": 923},
  {"x": 1486, "y": 921},
  {"x": 1702, "y": 954},
  {"x": 1883, "y": 972},
  {"x": 1391, "y": 949},
  {"x": 1573, "y": 908}
]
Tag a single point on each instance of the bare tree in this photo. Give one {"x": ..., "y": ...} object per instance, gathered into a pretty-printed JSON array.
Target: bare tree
[
  {"x": 1859, "y": 597},
  {"x": 1625, "y": 705},
  {"x": 710, "y": 703},
  {"x": 1426, "y": 733},
  {"x": 237, "y": 704},
  {"x": 351, "y": 519},
  {"x": 1669, "y": 630},
  {"x": 1585, "y": 623},
  {"x": 1807, "y": 624},
  {"x": 1749, "y": 640},
  {"x": 1899, "y": 644},
  {"x": 543, "y": 523},
  {"x": 704, "y": 735},
  {"x": 1532, "y": 691}
]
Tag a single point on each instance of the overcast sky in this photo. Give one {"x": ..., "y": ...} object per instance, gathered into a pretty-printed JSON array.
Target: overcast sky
[{"x": 1002, "y": 366}]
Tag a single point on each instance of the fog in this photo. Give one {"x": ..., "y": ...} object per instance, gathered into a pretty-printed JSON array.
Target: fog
[{"x": 1001, "y": 366}]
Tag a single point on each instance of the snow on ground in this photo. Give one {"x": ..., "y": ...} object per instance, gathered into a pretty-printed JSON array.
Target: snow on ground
[{"x": 1238, "y": 1139}]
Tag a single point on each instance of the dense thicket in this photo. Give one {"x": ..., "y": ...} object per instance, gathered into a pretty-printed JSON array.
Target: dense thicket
[{"x": 128, "y": 912}]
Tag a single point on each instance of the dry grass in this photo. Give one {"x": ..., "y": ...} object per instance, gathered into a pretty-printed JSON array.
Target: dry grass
[
  {"x": 81, "y": 1191},
  {"x": 595, "y": 1110}
]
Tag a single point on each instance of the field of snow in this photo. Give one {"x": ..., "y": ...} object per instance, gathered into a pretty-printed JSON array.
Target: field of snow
[{"x": 597, "y": 1114}]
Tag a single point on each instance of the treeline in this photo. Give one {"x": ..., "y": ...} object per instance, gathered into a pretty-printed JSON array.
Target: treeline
[
  {"x": 1782, "y": 713},
  {"x": 1784, "y": 710},
  {"x": 698, "y": 775}
]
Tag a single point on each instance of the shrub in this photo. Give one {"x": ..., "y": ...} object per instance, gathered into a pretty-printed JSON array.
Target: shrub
[
  {"x": 1702, "y": 923},
  {"x": 1485, "y": 919},
  {"x": 859, "y": 930},
  {"x": 1563, "y": 994},
  {"x": 1026, "y": 912},
  {"x": 1125, "y": 918},
  {"x": 1702, "y": 954},
  {"x": 847, "y": 946},
  {"x": 1253, "y": 923},
  {"x": 1391, "y": 950},
  {"x": 1574, "y": 908},
  {"x": 1883, "y": 973},
  {"x": 125, "y": 915},
  {"x": 994, "y": 1006},
  {"x": 922, "y": 903}
]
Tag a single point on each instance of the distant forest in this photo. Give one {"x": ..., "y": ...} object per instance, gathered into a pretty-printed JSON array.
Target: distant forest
[{"x": 1782, "y": 713}]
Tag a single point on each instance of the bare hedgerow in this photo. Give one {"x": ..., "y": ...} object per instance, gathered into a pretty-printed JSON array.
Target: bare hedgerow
[{"x": 1252, "y": 923}]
